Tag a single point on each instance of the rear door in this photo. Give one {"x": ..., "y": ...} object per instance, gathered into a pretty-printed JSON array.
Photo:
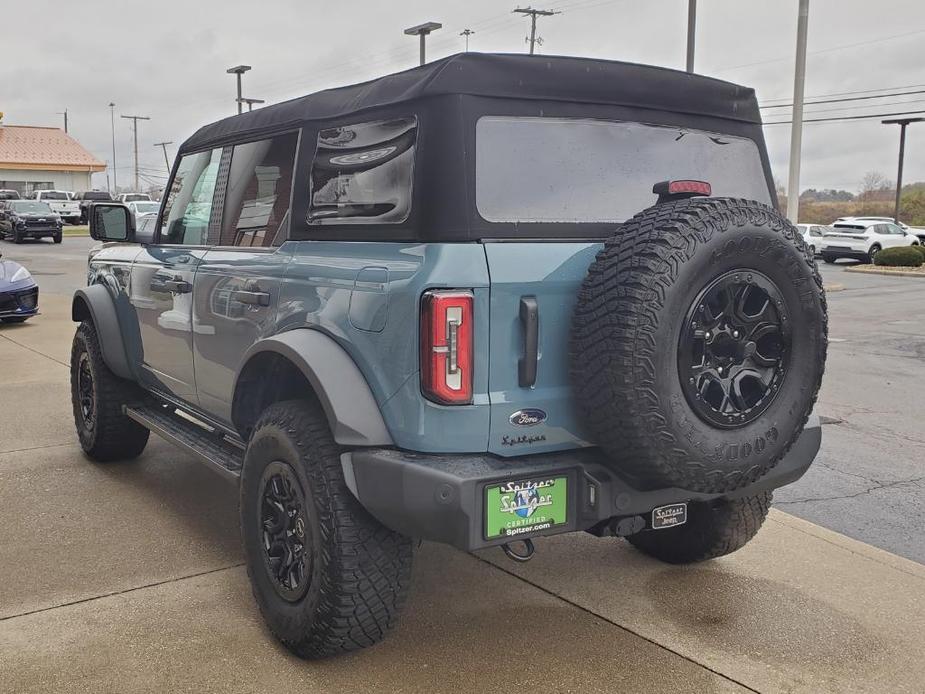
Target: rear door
[
  {"x": 161, "y": 289},
  {"x": 237, "y": 285}
]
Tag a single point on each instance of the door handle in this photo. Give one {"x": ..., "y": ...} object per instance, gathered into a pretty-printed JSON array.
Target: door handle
[
  {"x": 251, "y": 298},
  {"x": 179, "y": 285},
  {"x": 530, "y": 320}
]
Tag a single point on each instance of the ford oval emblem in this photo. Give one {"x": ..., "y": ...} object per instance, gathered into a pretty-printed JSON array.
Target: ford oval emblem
[{"x": 528, "y": 417}]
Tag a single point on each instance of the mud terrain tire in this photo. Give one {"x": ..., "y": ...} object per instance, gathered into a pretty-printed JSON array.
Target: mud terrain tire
[{"x": 699, "y": 343}]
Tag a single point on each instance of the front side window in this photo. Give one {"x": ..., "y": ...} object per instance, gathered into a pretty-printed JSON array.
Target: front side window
[
  {"x": 258, "y": 192},
  {"x": 582, "y": 170},
  {"x": 362, "y": 174},
  {"x": 188, "y": 207}
]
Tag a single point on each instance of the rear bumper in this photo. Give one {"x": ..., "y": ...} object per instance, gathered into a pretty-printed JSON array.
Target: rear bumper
[
  {"x": 442, "y": 497},
  {"x": 842, "y": 251}
]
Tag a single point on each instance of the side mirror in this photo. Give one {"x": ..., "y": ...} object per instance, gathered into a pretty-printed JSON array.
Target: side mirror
[{"x": 111, "y": 222}]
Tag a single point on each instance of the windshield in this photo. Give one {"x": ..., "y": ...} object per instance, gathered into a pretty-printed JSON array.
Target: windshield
[
  {"x": 30, "y": 206},
  {"x": 53, "y": 195},
  {"x": 146, "y": 207},
  {"x": 580, "y": 170}
]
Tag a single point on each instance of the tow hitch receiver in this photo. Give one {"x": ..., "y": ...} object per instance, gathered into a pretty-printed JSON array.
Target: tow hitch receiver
[{"x": 526, "y": 555}]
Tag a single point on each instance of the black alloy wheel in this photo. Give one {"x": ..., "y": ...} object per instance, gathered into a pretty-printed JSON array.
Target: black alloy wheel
[
  {"x": 287, "y": 540},
  {"x": 86, "y": 392},
  {"x": 734, "y": 348}
]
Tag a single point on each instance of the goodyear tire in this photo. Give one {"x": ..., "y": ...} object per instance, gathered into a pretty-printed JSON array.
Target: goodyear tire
[
  {"x": 699, "y": 343},
  {"x": 328, "y": 577}
]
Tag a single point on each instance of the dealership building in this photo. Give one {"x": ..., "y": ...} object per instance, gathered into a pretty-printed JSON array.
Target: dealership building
[{"x": 37, "y": 158}]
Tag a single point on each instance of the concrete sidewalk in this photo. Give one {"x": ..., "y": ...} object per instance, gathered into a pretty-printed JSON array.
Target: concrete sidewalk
[{"x": 128, "y": 578}]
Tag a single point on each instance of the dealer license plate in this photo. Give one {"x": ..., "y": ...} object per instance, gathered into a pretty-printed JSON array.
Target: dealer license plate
[
  {"x": 517, "y": 508},
  {"x": 669, "y": 516}
]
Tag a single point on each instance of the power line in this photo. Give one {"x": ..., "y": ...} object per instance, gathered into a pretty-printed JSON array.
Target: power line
[
  {"x": 859, "y": 91},
  {"x": 837, "y": 118},
  {"x": 855, "y": 98},
  {"x": 533, "y": 14},
  {"x": 909, "y": 102}
]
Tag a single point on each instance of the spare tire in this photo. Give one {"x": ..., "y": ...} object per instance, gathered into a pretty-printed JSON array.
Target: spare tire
[{"x": 699, "y": 343}]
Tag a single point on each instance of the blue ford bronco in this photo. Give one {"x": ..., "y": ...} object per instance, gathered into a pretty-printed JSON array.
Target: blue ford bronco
[{"x": 487, "y": 299}]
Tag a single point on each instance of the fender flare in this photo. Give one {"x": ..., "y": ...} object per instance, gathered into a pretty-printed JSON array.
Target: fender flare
[
  {"x": 96, "y": 303},
  {"x": 352, "y": 412}
]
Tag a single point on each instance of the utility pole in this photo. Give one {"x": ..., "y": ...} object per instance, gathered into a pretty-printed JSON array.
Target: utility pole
[
  {"x": 467, "y": 33},
  {"x": 163, "y": 145},
  {"x": 902, "y": 123},
  {"x": 796, "y": 129},
  {"x": 691, "y": 32},
  {"x": 135, "y": 120},
  {"x": 250, "y": 102},
  {"x": 422, "y": 30},
  {"x": 64, "y": 113},
  {"x": 112, "y": 118},
  {"x": 238, "y": 70},
  {"x": 533, "y": 40}
]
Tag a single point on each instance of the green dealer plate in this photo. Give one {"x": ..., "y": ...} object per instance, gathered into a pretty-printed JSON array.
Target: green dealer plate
[{"x": 517, "y": 508}]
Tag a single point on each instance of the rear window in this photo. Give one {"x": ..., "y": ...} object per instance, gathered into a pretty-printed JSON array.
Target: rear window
[
  {"x": 96, "y": 196},
  {"x": 579, "y": 170},
  {"x": 851, "y": 228},
  {"x": 53, "y": 195}
]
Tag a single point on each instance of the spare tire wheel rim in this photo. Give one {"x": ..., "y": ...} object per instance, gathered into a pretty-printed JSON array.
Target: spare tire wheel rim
[
  {"x": 284, "y": 531},
  {"x": 734, "y": 348}
]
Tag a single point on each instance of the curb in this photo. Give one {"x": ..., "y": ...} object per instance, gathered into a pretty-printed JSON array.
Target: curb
[
  {"x": 833, "y": 287},
  {"x": 886, "y": 273}
]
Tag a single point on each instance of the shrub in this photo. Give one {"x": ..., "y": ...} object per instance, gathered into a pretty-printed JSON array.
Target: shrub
[
  {"x": 903, "y": 256},
  {"x": 920, "y": 249}
]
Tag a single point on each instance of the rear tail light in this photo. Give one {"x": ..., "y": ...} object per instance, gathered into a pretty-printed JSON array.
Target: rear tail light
[
  {"x": 668, "y": 190},
  {"x": 446, "y": 346}
]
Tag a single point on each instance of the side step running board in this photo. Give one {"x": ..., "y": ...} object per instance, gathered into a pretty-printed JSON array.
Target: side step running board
[{"x": 211, "y": 447}]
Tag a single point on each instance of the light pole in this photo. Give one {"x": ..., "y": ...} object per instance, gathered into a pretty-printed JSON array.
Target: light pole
[
  {"x": 796, "y": 128},
  {"x": 250, "y": 102},
  {"x": 135, "y": 120},
  {"x": 691, "y": 32},
  {"x": 423, "y": 30},
  {"x": 238, "y": 70},
  {"x": 902, "y": 123},
  {"x": 467, "y": 33},
  {"x": 112, "y": 118}
]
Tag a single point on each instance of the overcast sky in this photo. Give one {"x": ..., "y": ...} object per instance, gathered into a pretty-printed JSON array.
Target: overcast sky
[{"x": 167, "y": 60}]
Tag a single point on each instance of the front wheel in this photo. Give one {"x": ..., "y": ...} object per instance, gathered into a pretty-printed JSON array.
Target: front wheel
[
  {"x": 712, "y": 530},
  {"x": 328, "y": 577},
  {"x": 97, "y": 395},
  {"x": 17, "y": 237},
  {"x": 56, "y": 238}
]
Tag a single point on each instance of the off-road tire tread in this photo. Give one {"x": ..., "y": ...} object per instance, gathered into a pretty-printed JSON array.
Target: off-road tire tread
[
  {"x": 366, "y": 570},
  {"x": 613, "y": 347},
  {"x": 710, "y": 532},
  {"x": 116, "y": 436}
]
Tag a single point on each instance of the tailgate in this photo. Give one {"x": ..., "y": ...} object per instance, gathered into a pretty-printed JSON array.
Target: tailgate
[{"x": 539, "y": 417}]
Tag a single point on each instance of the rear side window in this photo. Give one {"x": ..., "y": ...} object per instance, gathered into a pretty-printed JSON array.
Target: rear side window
[
  {"x": 258, "y": 192},
  {"x": 188, "y": 207},
  {"x": 581, "y": 170},
  {"x": 362, "y": 174}
]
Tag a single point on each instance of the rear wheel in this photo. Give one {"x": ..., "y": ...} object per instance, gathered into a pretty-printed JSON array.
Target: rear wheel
[
  {"x": 872, "y": 253},
  {"x": 828, "y": 259},
  {"x": 328, "y": 577},
  {"x": 712, "y": 530},
  {"x": 97, "y": 396}
]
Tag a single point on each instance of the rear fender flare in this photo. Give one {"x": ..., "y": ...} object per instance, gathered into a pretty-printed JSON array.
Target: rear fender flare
[
  {"x": 96, "y": 304},
  {"x": 342, "y": 390}
]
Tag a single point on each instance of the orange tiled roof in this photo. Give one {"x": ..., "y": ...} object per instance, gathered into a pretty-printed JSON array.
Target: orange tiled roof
[{"x": 31, "y": 147}]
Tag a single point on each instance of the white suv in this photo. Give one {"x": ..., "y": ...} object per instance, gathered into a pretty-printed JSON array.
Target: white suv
[
  {"x": 812, "y": 235},
  {"x": 862, "y": 239}
]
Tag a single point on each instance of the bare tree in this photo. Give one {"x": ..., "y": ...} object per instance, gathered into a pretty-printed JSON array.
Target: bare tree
[{"x": 875, "y": 186}]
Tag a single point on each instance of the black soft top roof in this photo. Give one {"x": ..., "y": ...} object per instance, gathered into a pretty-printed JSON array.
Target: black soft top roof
[{"x": 545, "y": 78}]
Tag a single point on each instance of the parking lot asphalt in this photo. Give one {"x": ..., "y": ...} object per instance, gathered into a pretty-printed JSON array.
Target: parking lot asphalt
[{"x": 128, "y": 577}]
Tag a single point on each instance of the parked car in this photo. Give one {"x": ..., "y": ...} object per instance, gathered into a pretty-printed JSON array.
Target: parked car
[
  {"x": 133, "y": 197},
  {"x": 862, "y": 240},
  {"x": 334, "y": 327},
  {"x": 141, "y": 207},
  {"x": 85, "y": 199},
  {"x": 9, "y": 195},
  {"x": 812, "y": 233},
  {"x": 19, "y": 293},
  {"x": 917, "y": 232},
  {"x": 24, "y": 219},
  {"x": 61, "y": 204}
]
